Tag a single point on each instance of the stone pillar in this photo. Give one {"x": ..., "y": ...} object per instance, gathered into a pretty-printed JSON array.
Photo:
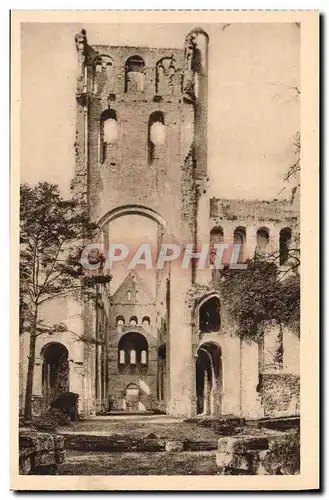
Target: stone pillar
[
  {"x": 76, "y": 381},
  {"x": 37, "y": 377},
  {"x": 231, "y": 375},
  {"x": 274, "y": 244},
  {"x": 98, "y": 378},
  {"x": 251, "y": 241},
  {"x": 250, "y": 398},
  {"x": 203, "y": 276},
  {"x": 180, "y": 347}
]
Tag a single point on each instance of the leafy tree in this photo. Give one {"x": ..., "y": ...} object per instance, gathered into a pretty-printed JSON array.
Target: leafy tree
[
  {"x": 52, "y": 231},
  {"x": 260, "y": 293}
]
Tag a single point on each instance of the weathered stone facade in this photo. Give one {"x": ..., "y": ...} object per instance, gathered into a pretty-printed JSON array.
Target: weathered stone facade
[{"x": 141, "y": 150}]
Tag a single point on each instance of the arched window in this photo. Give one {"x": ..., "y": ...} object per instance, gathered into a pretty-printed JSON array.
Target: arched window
[
  {"x": 133, "y": 357},
  {"x": 120, "y": 320},
  {"x": 156, "y": 136},
  {"x": 209, "y": 316},
  {"x": 133, "y": 345},
  {"x": 109, "y": 132},
  {"x": 144, "y": 358},
  {"x": 129, "y": 296},
  {"x": 133, "y": 320},
  {"x": 134, "y": 74},
  {"x": 104, "y": 64},
  {"x": 216, "y": 238},
  {"x": 137, "y": 296},
  {"x": 285, "y": 242},
  {"x": 109, "y": 126},
  {"x": 262, "y": 240},
  {"x": 146, "y": 321},
  {"x": 239, "y": 238},
  {"x": 122, "y": 357},
  {"x": 165, "y": 76}
]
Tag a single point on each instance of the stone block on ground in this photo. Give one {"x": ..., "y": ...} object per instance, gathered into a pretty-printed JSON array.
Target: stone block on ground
[{"x": 172, "y": 445}]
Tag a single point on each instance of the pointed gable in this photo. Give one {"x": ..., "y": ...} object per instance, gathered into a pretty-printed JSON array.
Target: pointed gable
[{"x": 133, "y": 291}]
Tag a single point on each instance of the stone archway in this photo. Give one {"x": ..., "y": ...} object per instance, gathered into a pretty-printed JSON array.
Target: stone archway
[
  {"x": 208, "y": 379},
  {"x": 55, "y": 370}
]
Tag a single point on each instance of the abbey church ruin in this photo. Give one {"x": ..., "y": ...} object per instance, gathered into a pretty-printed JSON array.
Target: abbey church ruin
[{"x": 161, "y": 339}]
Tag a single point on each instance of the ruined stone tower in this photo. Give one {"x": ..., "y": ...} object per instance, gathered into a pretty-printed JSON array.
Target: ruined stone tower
[{"x": 141, "y": 149}]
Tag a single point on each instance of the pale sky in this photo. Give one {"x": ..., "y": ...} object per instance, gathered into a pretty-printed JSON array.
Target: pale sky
[{"x": 253, "y": 104}]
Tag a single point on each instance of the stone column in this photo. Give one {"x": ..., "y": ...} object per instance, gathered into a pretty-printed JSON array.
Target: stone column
[
  {"x": 37, "y": 377},
  {"x": 203, "y": 276},
  {"x": 274, "y": 244},
  {"x": 250, "y": 399},
  {"x": 98, "y": 378},
  {"x": 180, "y": 346},
  {"x": 251, "y": 242}
]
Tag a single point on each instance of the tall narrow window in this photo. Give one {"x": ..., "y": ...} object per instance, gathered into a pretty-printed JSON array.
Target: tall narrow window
[
  {"x": 129, "y": 296},
  {"x": 216, "y": 238},
  {"x": 156, "y": 136},
  {"x": 122, "y": 359},
  {"x": 133, "y": 357},
  {"x": 262, "y": 240},
  {"x": 209, "y": 316},
  {"x": 137, "y": 296},
  {"x": 143, "y": 358},
  {"x": 109, "y": 132},
  {"x": 134, "y": 74},
  {"x": 239, "y": 238},
  {"x": 285, "y": 241},
  {"x": 165, "y": 76}
]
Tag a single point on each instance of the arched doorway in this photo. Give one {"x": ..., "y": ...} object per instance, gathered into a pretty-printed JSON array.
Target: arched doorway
[
  {"x": 132, "y": 397},
  {"x": 209, "y": 379},
  {"x": 55, "y": 370}
]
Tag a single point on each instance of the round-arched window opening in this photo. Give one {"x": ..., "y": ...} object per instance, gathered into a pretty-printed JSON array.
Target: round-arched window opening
[
  {"x": 209, "y": 316},
  {"x": 216, "y": 238},
  {"x": 120, "y": 320},
  {"x": 239, "y": 238},
  {"x": 122, "y": 357},
  {"x": 134, "y": 74},
  {"x": 146, "y": 321},
  {"x": 132, "y": 357},
  {"x": 144, "y": 358},
  {"x": 110, "y": 129},
  {"x": 156, "y": 135},
  {"x": 263, "y": 238},
  {"x": 133, "y": 321}
]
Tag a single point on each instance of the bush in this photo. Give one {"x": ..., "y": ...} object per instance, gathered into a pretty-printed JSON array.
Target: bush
[
  {"x": 284, "y": 455},
  {"x": 51, "y": 419}
]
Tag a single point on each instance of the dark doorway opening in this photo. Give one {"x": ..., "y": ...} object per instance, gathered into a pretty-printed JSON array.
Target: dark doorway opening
[{"x": 55, "y": 371}]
